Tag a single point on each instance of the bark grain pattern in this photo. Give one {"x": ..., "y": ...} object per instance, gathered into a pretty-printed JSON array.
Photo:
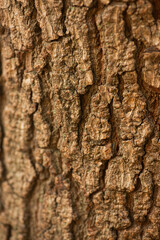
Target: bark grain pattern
[{"x": 79, "y": 119}]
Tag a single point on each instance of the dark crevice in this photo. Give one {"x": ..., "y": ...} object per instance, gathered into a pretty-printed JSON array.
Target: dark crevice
[
  {"x": 2, "y": 29},
  {"x": 120, "y": 87},
  {"x": 94, "y": 42},
  {"x": 138, "y": 60},
  {"x": 4, "y": 170},
  {"x": 127, "y": 24},
  {"x": 84, "y": 100},
  {"x": 138, "y": 181},
  {"x": 129, "y": 206},
  {"x": 103, "y": 173},
  {"x": 73, "y": 191},
  {"x": 114, "y": 132},
  {"x": 95, "y": 58},
  {"x": 2, "y": 132},
  {"x": 37, "y": 28},
  {"x": 0, "y": 64},
  {"x": 64, "y": 11},
  {"x": 94, "y": 193},
  {"x": 9, "y": 232},
  {"x": 141, "y": 233},
  {"x": 155, "y": 9},
  {"x": 60, "y": 38},
  {"x": 32, "y": 134},
  {"x": 73, "y": 223},
  {"x": 117, "y": 235}
]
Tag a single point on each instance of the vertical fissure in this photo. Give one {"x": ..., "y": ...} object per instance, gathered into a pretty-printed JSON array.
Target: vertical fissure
[
  {"x": 114, "y": 134},
  {"x": 129, "y": 206},
  {"x": 120, "y": 87},
  {"x": 64, "y": 11},
  {"x": 9, "y": 232},
  {"x": 95, "y": 52},
  {"x": 127, "y": 24},
  {"x": 155, "y": 9},
  {"x": 2, "y": 132},
  {"x": 84, "y": 104},
  {"x": 32, "y": 135},
  {"x": 94, "y": 42}
]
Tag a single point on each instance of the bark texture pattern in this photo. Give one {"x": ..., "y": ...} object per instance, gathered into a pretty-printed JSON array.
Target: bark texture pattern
[{"x": 79, "y": 119}]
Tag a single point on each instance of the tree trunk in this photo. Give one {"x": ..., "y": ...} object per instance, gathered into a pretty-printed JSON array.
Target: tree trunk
[{"x": 80, "y": 119}]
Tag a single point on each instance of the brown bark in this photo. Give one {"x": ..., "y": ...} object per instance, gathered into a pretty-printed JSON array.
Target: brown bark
[{"x": 79, "y": 116}]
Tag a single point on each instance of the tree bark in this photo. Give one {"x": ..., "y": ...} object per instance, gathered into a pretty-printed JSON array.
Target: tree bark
[{"x": 80, "y": 119}]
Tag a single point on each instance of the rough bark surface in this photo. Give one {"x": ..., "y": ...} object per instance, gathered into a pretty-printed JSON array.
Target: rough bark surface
[{"x": 80, "y": 119}]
